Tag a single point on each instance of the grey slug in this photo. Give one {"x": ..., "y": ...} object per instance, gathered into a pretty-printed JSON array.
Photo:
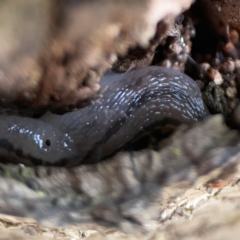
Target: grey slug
[{"x": 131, "y": 103}]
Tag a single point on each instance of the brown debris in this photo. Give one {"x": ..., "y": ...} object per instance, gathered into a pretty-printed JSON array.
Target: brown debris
[
  {"x": 141, "y": 57},
  {"x": 63, "y": 47},
  {"x": 231, "y": 10}
]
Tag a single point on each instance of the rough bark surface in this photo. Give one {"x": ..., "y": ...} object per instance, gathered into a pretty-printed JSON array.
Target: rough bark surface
[
  {"x": 138, "y": 192},
  {"x": 54, "y": 52}
]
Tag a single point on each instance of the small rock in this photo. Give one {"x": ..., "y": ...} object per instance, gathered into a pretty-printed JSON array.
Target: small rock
[{"x": 215, "y": 76}]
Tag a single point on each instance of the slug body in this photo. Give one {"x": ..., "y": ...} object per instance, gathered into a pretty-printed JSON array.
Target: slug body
[{"x": 131, "y": 103}]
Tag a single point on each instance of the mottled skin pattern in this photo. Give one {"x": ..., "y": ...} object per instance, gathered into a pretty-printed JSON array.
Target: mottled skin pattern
[{"x": 131, "y": 103}]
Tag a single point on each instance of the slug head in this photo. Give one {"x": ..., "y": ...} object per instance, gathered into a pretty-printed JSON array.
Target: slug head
[{"x": 33, "y": 142}]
